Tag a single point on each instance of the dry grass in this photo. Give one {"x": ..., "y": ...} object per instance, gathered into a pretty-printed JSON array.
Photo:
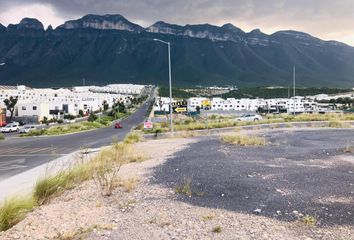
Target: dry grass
[
  {"x": 103, "y": 169},
  {"x": 209, "y": 217},
  {"x": 129, "y": 184},
  {"x": 244, "y": 140},
  {"x": 349, "y": 149},
  {"x": 338, "y": 124},
  {"x": 309, "y": 220},
  {"x": 214, "y": 121},
  {"x": 184, "y": 188},
  {"x": 133, "y": 137},
  {"x": 14, "y": 210}
]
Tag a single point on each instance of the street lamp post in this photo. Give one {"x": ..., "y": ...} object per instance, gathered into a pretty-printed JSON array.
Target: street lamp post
[{"x": 169, "y": 76}]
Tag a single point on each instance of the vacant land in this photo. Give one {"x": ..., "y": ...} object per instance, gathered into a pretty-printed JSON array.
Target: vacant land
[{"x": 297, "y": 186}]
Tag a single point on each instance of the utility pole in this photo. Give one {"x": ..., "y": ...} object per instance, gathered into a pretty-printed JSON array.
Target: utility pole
[
  {"x": 294, "y": 81},
  {"x": 170, "y": 79},
  {"x": 83, "y": 82}
]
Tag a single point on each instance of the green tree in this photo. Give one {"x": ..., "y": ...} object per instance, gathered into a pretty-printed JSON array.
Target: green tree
[
  {"x": 92, "y": 117},
  {"x": 81, "y": 113},
  {"x": 105, "y": 106},
  {"x": 10, "y": 104},
  {"x": 198, "y": 109}
]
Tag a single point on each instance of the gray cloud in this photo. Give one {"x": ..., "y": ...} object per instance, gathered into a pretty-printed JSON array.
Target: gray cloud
[{"x": 324, "y": 18}]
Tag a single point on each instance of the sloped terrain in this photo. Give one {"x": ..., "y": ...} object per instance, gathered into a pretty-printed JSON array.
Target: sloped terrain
[{"x": 110, "y": 49}]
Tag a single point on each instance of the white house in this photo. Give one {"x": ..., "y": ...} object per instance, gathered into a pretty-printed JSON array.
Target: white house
[{"x": 38, "y": 110}]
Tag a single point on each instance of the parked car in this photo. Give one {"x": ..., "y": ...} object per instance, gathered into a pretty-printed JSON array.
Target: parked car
[
  {"x": 249, "y": 117},
  {"x": 10, "y": 128},
  {"x": 118, "y": 125},
  {"x": 13, "y": 122},
  {"x": 27, "y": 129}
]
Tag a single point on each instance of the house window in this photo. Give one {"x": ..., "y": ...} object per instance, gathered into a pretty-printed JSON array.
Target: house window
[
  {"x": 23, "y": 108},
  {"x": 34, "y": 108}
]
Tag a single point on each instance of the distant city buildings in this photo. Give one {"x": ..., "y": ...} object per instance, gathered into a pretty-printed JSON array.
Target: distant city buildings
[
  {"x": 55, "y": 103},
  {"x": 292, "y": 105}
]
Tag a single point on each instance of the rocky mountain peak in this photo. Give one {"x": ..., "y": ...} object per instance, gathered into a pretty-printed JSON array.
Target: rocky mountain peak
[
  {"x": 165, "y": 28},
  {"x": 27, "y": 23},
  {"x": 105, "y": 22},
  {"x": 231, "y": 27},
  {"x": 50, "y": 28}
]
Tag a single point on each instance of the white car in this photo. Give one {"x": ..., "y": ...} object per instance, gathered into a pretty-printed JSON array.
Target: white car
[
  {"x": 10, "y": 128},
  {"x": 249, "y": 117},
  {"x": 27, "y": 129}
]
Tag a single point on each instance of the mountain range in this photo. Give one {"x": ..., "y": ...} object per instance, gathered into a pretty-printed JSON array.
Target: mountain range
[{"x": 111, "y": 49}]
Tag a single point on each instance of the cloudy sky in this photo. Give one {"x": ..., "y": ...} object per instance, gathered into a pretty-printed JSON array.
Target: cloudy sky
[{"x": 327, "y": 19}]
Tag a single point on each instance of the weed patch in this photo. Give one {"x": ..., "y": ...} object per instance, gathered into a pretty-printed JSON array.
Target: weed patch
[
  {"x": 217, "y": 229},
  {"x": 244, "y": 140},
  {"x": 309, "y": 220},
  {"x": 14, "y": 210},
  {"x": 133, "y": 137}
]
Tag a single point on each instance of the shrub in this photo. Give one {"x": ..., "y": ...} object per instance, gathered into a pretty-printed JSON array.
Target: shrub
[
  {"x": 133, "y": 137},
  {"x": 81, "y": 113},
  {"x": 69, "y": 117},
  {"x": 60, "y": 121},
  {"x": 92, "y": 117},
  {"x": 106, "y": 165},
  {"x": 14, "y": 210},
  {"x": 157, "y": 131},
  {"x": 243, "y": 140},
  {"x": 2, "y": 136}
]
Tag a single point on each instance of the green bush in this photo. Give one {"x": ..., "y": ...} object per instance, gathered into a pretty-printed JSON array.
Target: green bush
[
  {"x": 92, "y": 117},
  {"x": 69, "y": 117},
  {"x": 133, "y": 137},
  {"x": 2, "y": 136}
]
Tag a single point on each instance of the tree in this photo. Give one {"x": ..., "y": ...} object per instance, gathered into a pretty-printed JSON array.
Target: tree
[
  {"x": 198, "y": 109},
  {"x": 10, "y": 105},
  {"x": 92, "y": 117},
  {"x": 105, "y": 106}
]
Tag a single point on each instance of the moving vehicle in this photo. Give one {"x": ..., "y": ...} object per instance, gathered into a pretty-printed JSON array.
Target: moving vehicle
[
  {"x": 27, "y": 129},
  {"x": 118, "y": 125},
  {"x": 10, "y": 128},
  {"x": 249, "y": 117}
]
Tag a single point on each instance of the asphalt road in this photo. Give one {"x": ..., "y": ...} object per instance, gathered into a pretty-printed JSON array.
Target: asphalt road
[
  {"x": 299, "y": 171},
  {"x": 21, "y": 154}
]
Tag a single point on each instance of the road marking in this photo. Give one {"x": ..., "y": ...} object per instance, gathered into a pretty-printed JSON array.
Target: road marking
[
  {"x": 13, "y": 164},
  {"x": 26, "y": 155},
  {"x": 29, "y": 150}
]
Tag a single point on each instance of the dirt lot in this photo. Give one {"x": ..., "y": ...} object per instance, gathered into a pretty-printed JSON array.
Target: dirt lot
[{"x": 267, "y": 192}]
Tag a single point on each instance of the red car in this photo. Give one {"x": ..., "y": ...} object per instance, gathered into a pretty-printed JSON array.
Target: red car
[{"x": 117, "y": 125}]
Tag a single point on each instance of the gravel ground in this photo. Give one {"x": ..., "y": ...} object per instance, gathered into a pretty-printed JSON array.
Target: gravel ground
[
  {"x": 298, "y": 173},
  {"x": 305, "y": 172}
]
